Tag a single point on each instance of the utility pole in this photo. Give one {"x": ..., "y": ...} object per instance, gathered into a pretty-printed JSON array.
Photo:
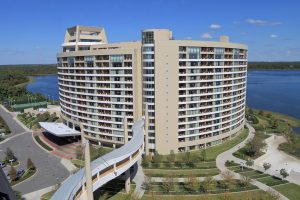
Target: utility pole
[{"x": 87, "y": 163}]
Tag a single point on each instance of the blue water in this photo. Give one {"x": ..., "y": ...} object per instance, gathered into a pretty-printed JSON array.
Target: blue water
[
  {"x": 277, "y": 91},
  {"x": 46, "y": 85}
]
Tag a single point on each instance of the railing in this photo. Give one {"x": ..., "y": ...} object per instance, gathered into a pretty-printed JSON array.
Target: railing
[{"x": 105, "y": 168}]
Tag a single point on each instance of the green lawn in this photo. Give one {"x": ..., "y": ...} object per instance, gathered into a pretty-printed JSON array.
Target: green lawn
[
  {"x": 181, "y": 173},
  {"x": 197, "y": 165},
  {"x": 290, "y": 190},
  {"x": 26, "y": 175},
  {"x": 271, "y": 181},
  {"x": 45, "y": 146},
  {"x": 255, "y": 194}
]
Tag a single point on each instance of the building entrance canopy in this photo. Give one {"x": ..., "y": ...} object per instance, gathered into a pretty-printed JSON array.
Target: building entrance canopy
[{"x": 58, "y": 129}]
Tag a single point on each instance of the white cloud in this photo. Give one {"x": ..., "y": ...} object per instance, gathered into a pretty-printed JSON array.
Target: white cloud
[
  {"x": 206, "y": 35},
  {"x": 188, "y": 38},
  {"x": 273, "y": 36},
  {"x": 261, "y": 22},
  {"x": 215, "y": 26}
]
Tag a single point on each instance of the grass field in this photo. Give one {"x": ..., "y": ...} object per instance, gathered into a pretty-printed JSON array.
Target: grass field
[
  {"x": 247, "y": 195},
  {"x": 181, "y": 173},
  {"x": 290, "y": 190}
]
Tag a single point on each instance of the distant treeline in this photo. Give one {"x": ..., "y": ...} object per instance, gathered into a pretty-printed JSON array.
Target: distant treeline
[
  {"x": 14, "y": 77},
  {"x": 28, "y": 70},
  {"x": 274, "y": 66}
]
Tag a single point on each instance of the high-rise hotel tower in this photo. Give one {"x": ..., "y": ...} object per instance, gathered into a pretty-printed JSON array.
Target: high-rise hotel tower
[{"x": 193, "y": 91}]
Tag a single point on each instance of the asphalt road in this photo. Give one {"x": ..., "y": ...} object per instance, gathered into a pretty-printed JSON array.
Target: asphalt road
[{"x": 50, "y": 170}]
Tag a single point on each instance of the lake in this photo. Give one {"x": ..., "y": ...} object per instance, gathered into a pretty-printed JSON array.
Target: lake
[
  {"x": 277, "y": 91},
  {"x": 46, "y": 85}
]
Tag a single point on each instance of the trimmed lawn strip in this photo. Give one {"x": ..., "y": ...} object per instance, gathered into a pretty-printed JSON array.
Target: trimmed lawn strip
[
  {"x": 253, "y": 194},
  {"x": 271, "y": 181},
  {"x": 181, "y": 173},
  {"x": 290, "y": 190},
  {"x": 26, "y": 175},
  {"x": 78, "y": 163},
  {"x": 45, "y": 146},
  {"x": 198, "y": 165}
]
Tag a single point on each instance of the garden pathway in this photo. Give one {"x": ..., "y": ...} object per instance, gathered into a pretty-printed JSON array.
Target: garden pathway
[{"x": 227, "y": 155}]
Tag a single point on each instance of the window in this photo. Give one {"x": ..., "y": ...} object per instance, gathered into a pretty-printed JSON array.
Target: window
[
  {"x": 148, "y": 49},
  {"x": 148, "y": 37},
  {"x": 219, "y": 53},
  {"x": 116, "y": 58},
  {"x": 71, "y": 61},
  {"x": 148, "y": 56},
  {"x": 194, "y": 52}
]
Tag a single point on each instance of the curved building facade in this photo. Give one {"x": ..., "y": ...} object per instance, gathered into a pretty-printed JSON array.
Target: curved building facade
[{"x": 193, "y": 91}]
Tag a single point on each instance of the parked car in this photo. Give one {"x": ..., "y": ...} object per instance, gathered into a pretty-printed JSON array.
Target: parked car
[
  {"x": 2, "y": 164},
  {"x": 20, "y": 173}
]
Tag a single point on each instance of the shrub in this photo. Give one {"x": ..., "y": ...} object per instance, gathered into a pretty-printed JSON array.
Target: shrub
[
  {"x": 10, "y": 155},
  {"x": 266, "y": 166},
  {"x": 284, "y": 173},
  {"x": 30, "y": 164}
]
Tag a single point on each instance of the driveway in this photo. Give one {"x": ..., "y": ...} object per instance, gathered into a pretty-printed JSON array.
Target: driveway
[{"x": 50, "y": 170}]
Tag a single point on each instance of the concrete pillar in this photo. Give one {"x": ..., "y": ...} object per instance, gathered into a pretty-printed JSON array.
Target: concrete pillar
[
  {"x": 127, "y": 181},
  {"x": 146, "y": 126},
  {"x": 125, "y": 125},
  {"x": 87, "y": 163}
]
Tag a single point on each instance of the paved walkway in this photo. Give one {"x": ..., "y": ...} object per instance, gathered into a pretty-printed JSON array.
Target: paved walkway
[
  {"x": 280, "y": 161},
  {"x": 50, "y": 169},
  {"x": 227, "y": 155},
  {"x": 139, "y": 180}
]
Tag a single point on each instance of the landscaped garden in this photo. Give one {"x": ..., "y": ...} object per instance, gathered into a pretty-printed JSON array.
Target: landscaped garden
[
  {"x": 198, "y": 163},
  {"x": 32, "y": 121},
  {"x": 271, "y": 122}
]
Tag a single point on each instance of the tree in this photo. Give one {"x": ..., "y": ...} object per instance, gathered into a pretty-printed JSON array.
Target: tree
[
  {"x": 193, "y": 183},
  {"x": 157, "y": 158},
  {"x": 168, "y": 184},
  {"x": 145, "y": 162},
  {"x": 261, "y": 112},
  {"x": 244, "y": 180},
  {"x": 30, "y": 164},
  {"x": 254, "y": 146},
  {"x": 284, "y": 173},
  {"x": 266, "y": 166},
  {"x": 9, "y": 155},
  {"x": 249, "y": 163},
  {"x": 203, "y": 154},
  {"x": 171, "y": 157},
  {"x": 13, "y": 173},
  {"x": 208, "y": 183},
  {"x": 147, "y": 184},
  {"x": 228, "y": 178},
  {"x": 251, "y": 111}
]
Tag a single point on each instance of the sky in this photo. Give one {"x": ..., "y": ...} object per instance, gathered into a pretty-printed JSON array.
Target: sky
[{"x": 32, "y": 31}]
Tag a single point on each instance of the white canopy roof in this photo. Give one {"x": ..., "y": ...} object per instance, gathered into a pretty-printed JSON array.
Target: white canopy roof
[{"x": 58, "y": 129}]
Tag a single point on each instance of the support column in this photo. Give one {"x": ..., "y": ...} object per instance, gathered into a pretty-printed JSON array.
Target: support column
[
  {"x": 125, "y": 126},
  {"x": 127, "y": 181},
  {"x": 87, "y": 163},
  {"x": 146, "y": 127}
]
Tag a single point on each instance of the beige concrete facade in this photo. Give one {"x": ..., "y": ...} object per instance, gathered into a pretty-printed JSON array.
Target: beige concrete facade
[{"x": 194, "y": 91}]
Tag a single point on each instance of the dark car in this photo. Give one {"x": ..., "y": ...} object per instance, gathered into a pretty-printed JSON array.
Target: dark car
[{"x": 20, "y": 173}]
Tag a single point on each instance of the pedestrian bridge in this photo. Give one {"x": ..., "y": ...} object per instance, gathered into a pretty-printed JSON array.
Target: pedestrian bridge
[{"x": 104, "y": 168}]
